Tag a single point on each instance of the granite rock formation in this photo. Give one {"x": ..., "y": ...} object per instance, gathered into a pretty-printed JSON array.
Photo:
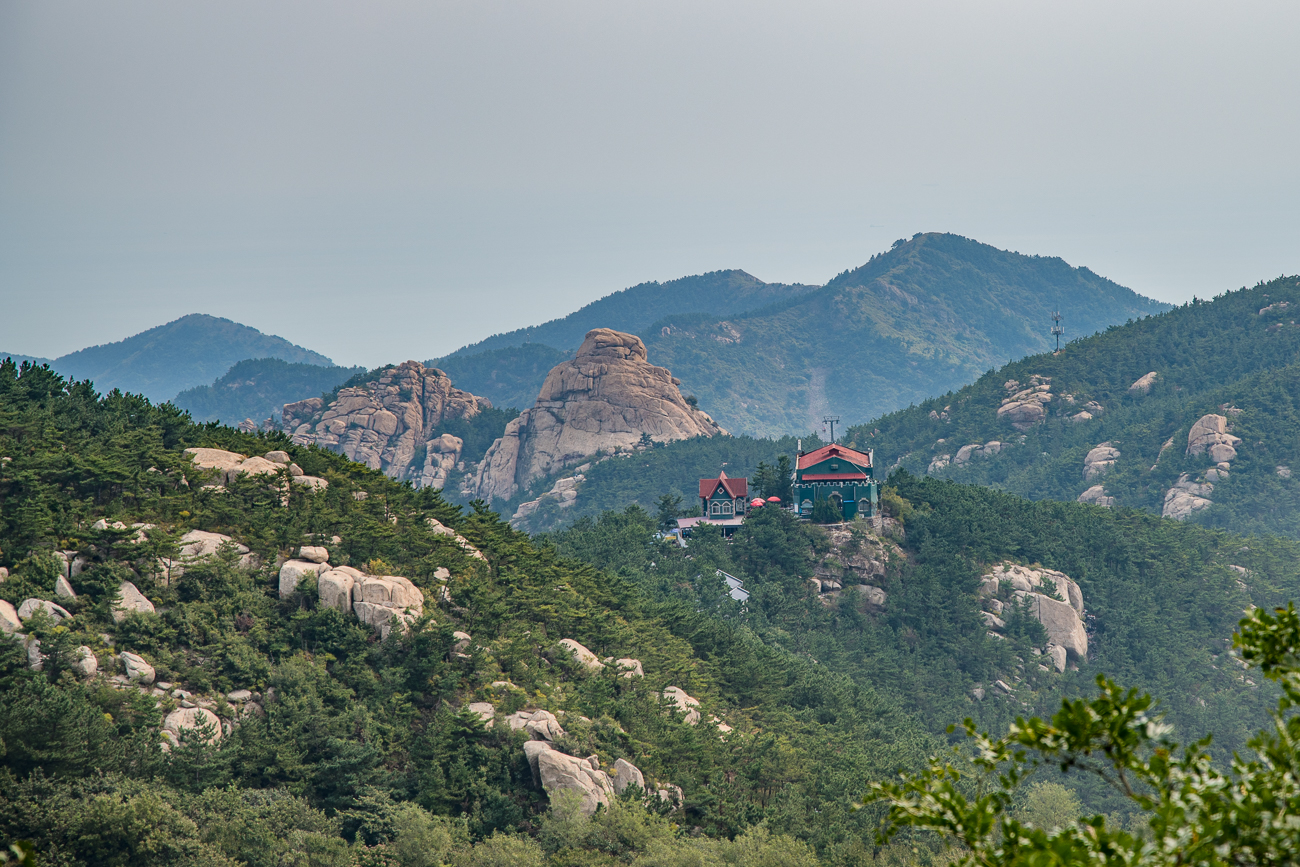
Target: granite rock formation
[
  {"x": 1028, "y": 406},
  {"x": 390, "y": 424},
  {"x": 1054, "y": 600},
  {"x": 604, "y": 400}
]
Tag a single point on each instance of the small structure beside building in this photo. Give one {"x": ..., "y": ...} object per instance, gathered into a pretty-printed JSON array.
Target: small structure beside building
[
  {"x": 723, "y": 498},
  {"x": 840, "y": 474},
  {"x": 735, "y": 587}
]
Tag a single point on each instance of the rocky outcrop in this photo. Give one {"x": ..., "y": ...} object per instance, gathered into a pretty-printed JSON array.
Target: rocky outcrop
[
  {"x": 604, "y": 400},
  {"x": 1027, "y": 407},
  {"x": 854, "y": 562},
  {"x": 627, "y": 774},
  {"x": 1186, "y": 497},
  {"x": 684, "y": 703},
  {"x": 9, "y": 622},
  {"x": 564, "y": 494},
  {"x": 387, "y": 602},
  {"x": 1099, "y": 460},
  {"x": 53, "y": 610},
  {"x": 539, "y": 724},
  {"x": 130, "y": 601},
  {"x": 390, "y": 424},
  {"x": 966, "y": 454},
  {"x": 136, "y": 668},
  {"x": 193, "y": 720},
  {"x": 1096, "y": 496},
  {"x": 229, "y": 465},
  {"x": 1143, "y": 384},
  {"x": 582, "y": 654},
  {"x": 563, "y": 775},
  {"x": 465, "y": 545},
  {"x": 1210, "y": 434},
  {"x": 198, "y": 545},
  {"x": 85, "y": 664},
  {"x": 1053, "y": 599},
  {"x": 292, "y": 572}
]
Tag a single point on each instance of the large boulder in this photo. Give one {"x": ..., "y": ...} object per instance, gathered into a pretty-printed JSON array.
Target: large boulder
[
  {"x": 136, "y": 668},
  {"x": 563, "y": 774},
  {"x": 53, "y": 610},
  {"x": 1143, "y": 384},
  {"x": 544, "y": 726},
  {"x": 387, "y": 423},
  {"x": 1099, "y": 460},
  {"x": 1054, "y": 600},
  {"x": 1062, "y": 623},
  {"x": 193, "y": 719},
  {"x": 130, "y": 600},
  {"x": 9, "y": 622},
  {"x": 1028, "y": 406},
  {"x": 1096, "y": 496},
  {"x": 582, "y": 654},
  {"x": 294, "y": 571},
  {"x": 334, "y": 589},
  {"x": 219, "y": 460},
  {"x": 197, "y": 545},
  {"x": 625, "y": 774},
  {"x": 1210, "y": 434},
  {"x": 314, "y": 554},
  {"x": 605, "y": 399},
  {"x": 684, "y": 703},
  {"x": 387, "y": 602},
  {"x": 86, "y": 664},
  {"x": 533, "y": 749},
  {"x": 1187, "y": 496}
]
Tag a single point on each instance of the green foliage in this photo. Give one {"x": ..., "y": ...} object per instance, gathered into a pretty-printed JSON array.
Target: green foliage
[
  {"x": 259, "y": 389},
  {"x": 1196, "y": 813},
  {"x": 927, "y": 316},
  {"x": 1223, "y": 357},
  {"x": 509, "y": 376}
]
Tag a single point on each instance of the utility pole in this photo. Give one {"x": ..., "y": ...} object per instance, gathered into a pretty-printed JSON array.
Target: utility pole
[
  {"x": 1057, "y": 330},
  {"x": 830, "y": 420}
]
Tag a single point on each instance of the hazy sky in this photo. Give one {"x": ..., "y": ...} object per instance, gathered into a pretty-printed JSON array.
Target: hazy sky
[{"x": 389, "y": 180}]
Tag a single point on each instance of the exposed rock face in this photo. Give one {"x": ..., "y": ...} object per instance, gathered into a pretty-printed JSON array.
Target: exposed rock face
[
  {"x": 389, "y": 424},
  {"x": 1063, "y": 620},
  {"x": 334, "y": 589},
  {"x": 63, "y": 588},
  {"x": 9, "y": 622},
  {"x": 937, "y": 464},
  {"x": 606, "y": 398},
  {"x": 293, "y": 571},
  {"x": 968, "y": 453},
  {"x": 1096, "y": 495},
  {"x": 314, "y": 554},
  {"x": 685, "y": 703},
  {"x": 854, "y": 563},
  {"x": 564, "y": 493},
  {"x": 625, "y": 774},
  {"x": 1027, "y": 407},
  {"x": 197, "y": 545},
  {"x": 192, "y": 719},
  {"x": 136, "y": 668},
  {"x": 1187, "y": 496},
  {"x": 385, "y": 602},
  {"x": 582, "y": 654},
  {"x": 562, "y": 774},
  {"x": 85, "y": 665},
  {"x": 1143, "y": 384},
  {"x": 55, "y": 611},
  {"x": 1210, "y": 433},
  {"x": 129, "y": 600},
  {"x": 1099, "y": 460}
]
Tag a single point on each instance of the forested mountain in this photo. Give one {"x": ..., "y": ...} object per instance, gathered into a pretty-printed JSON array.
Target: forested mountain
[
  {"x": 356, "y": 745},
  {"x": 1235, "y": 359},
  {"x": 191, "y": 351},
  {"x": 927, "y": 316},
  {"x": 259, "y": 388}
]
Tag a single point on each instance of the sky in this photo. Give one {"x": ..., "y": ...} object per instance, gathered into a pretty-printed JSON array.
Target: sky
[{"x": 387, "y": 180}]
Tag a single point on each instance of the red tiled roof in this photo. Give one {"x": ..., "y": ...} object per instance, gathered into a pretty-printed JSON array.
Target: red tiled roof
[
  {"x": 737, "y": 488},
  {"x": 834, "y": 477},
  {"x": 834, "y": 450}
]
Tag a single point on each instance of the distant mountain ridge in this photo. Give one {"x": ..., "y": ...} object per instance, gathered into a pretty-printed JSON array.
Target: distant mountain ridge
[
  {"x": 258, "y": 388},
  {"x": 191, "y": 351},
  {"x": 927, "y": 316}
]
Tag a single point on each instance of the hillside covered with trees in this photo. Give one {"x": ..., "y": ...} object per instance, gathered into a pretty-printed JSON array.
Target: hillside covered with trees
[
  {"x": 1234, "y": 356},
  {"x": 258, "y": 388}
]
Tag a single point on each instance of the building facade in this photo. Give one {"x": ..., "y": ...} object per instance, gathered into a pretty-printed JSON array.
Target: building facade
[
  {"x": 840, "y": 474},
  {"x": 723, "y": 498}
]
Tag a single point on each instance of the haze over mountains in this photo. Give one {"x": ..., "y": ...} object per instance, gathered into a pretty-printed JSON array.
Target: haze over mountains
[{"x": 766, "y": 359}]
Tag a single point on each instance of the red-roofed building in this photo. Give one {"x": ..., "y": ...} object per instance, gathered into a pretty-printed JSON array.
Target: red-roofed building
[
  {"x": 843, "y": 475},
  {"x": 723, "y": 497}
]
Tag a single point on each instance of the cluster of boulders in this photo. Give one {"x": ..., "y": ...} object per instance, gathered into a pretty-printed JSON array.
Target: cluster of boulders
[
  {"x": 1097, "y": 496},
  {"x": 1208, "y": 435},
  {"x": 1090, "y": 410},
  {"x": 1053, "y": 599},
  {"x": 853, "y": 563},
  {"x": 1026, "y": 407},
  {"x": 605, "y": 399},
  {"x": 384, "y": 602},
  {"x": 390, "y": 424},
  {"x": 1096, "y": 463},
  {"x": 229, "y": 465},
  {"x": 564, "y": 493}
]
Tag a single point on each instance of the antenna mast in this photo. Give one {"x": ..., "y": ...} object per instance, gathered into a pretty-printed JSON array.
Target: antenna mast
[
  {"x": 830, "y": 420},
  {"x": 1057, "y": 330}
]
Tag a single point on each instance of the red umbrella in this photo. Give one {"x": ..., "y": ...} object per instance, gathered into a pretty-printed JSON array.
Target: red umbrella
[
  {"x": 774, "y": 499},
  {"x": 756, "y": 503}
]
